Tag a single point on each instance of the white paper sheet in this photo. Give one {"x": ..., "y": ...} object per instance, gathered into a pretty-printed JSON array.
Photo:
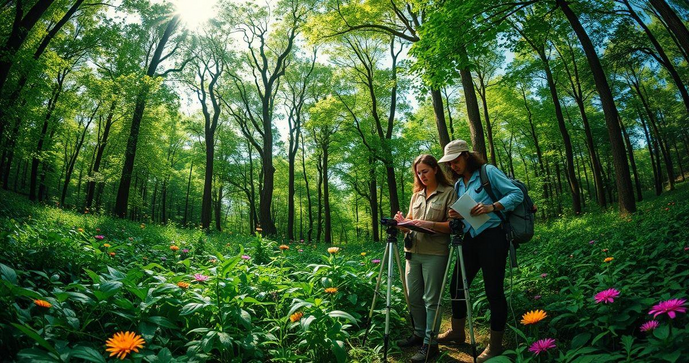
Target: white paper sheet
[{"x": 463, "y": 206}]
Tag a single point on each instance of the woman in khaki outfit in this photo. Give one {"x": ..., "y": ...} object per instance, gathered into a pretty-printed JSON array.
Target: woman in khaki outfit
[{"x": 428, "y": 253}]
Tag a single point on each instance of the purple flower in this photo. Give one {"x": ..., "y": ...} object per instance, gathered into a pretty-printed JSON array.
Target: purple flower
[
  {"x": 99, "y": 237},
  {"x": 649, "y": 325},
  {"x": 200, "y": 277},
  {"x": 375, "y": 261},
  {"x": 592, "y": 241},
  {"x": 544, "y": 275},
  {"x": 246, "y": 257},
  {"x": 186, "y": 250},
  {"x": 542, "y": 345},
  {"x": 606, "y": 296},
  {"x": 537, "y": 297},
  {"x": 671, "y": 307}
]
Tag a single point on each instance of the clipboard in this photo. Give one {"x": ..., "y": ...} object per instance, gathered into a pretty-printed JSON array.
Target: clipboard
[
  {"x": 413, "y": 227},
  {"x": 463, "y": 206}
]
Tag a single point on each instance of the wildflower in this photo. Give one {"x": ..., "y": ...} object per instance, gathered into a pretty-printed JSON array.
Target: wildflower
[
  {"x": 544, "y": 275},
  {"x": 200, "y": 277},
  {"x": 99, "y": 237},
  {"x": 122, "y": 344},
  {"x": 604, "y": 250},
  {"x": 331, "y": 290},
  {"x": 686, "y": 248},
  {"x": 131, "y": 239},
  {"x": 571, "y": 256},
  {"x": 97, "y": 229},
  {"x": 533, "y": 317},
  {"x": 80, "y": 230},
  {"x": 537, "y": 297},
  {"x": 300, "y": 250},
  {"x": 106, "y": 245},
  {"x": 649, "y": 325},
  {"x": 542, "y": 345},
  {"x": 112, "y": 254},
  {"x": 296, "y": 316},
  {"x": 246, "y": 257},
  {"x": 671, "y": 307},
  {"x": 608, "y": 259},
  {"x": 363, "y": 254},
  {"x": 333, "y": 250},
  {"x": 186, "y": 250},
  {"x": 259, "y": 229},
  {"x": 213, "y": 260},
  {"x": 43, "y": 303},
  {"x": 592, "y": 242},
  {"x": 174, "y": 248},
  {"x": 183, "y": 284},
  {"x": 301, "y": 240},
  {"x": 606, "y": 296},
  {"x": 284, "y": 247},
  {"x": 142, "y": 226},
  {"x": 375, "y": 261}
]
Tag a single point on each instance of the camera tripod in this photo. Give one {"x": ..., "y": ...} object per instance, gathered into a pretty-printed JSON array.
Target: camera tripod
[
  {"x": 456, "y": 252},
  {"x": 390, "y": 251}
]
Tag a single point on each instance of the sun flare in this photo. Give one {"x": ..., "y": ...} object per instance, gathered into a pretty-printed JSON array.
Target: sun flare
[{"x": 195, "y": 13}]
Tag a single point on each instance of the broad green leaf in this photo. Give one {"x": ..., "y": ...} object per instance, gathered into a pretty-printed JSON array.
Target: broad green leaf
[
  {"x": 88, "y": 354},
  {"x": 35, "y": 336}
]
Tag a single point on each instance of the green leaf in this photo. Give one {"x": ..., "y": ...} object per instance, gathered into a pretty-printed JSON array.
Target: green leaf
[
  {"x": 671, "y": 356},
  {"x": 88, "y": 354},
  {"x": 35, "y": 355},
  {"x": 34, "y": 335},
  {"x": 164, "y": 356},
  {"x": 662, "y": 332},
  {"x": 162, "y": 321},
  {"x": 579, "y": 340},
  {"x": 8, "y": 274},
  {"x": 338, "y": 349},
  {"x": 341, "y": 314},
  {"x": 191, "y": 308}
]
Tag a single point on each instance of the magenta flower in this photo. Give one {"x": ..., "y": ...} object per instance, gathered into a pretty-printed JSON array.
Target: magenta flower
[
  {"x": 375, "y": 261},
  {"x": 186, "y": 250},
  {"x": 606, "y": 296},
  {"x": 246, "y": 257},
  {"x": 544, "y": 275},
  {"x": 200, "y": 278},
  {"x": 686, "y": 248},
  {"x": 649, "y": 325},
  {"x": 542, "y": 345},
  {"x": 537, "y": 297},
  {"x": 592, "y": 241},
  {"x": 99, "y": 237},
  {"x": 671, "y": 307}
]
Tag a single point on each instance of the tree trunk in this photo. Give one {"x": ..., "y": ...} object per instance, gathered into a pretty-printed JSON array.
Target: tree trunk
[
  {"x": 186, "y": 199},
  {"x": 438, "y": 111},
  {"x": 623, "y": 180},
  {"x": 674, "y": 22},
  {"x": 308, "y": 191},
  {"x": 218, "y": 209},
  {"x": 326, "y": 198},
  {"x": 373, "y": 201},
  {"x": 632, "y": 162},
  {"x": 489, "y": 127},
  {"x": 476, "y": 128}
]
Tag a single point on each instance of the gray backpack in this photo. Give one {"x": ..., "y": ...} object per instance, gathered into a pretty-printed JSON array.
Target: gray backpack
[{"x": 519, "y": 223}]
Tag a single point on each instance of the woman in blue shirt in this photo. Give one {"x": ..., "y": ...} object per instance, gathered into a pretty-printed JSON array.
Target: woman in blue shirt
[{"x": 484, "y": 248}]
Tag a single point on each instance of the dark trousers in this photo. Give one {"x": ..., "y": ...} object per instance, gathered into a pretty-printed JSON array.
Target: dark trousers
[{"x": 487, "y": 252}]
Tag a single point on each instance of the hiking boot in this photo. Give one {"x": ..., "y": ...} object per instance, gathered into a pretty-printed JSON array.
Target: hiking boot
[
  {"x": 454, "y": 335},
  {"x": 430, "y": 350},
  {"x": 493, "y": 349},
  {"x": 412, "y": 341}
]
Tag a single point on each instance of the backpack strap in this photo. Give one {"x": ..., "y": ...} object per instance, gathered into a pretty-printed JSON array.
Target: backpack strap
[{"x": 485, "y": 184}]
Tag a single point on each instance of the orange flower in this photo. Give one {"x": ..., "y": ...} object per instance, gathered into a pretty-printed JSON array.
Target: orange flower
[
  {"x": 296, "y": 316},
  {"x": 122, "y": 344},
  {"x": 42, "y": 303},
  {"x": 333, "y": 250},
  {"x": 112, "y": 254},
  {"x": 533, "y": 317},
  {"x": 331, "y": 290},
  {"x": 608, "y": 259},
  {"x": 284, "y": 247},
  {"x": 174, "y": 248},
  {"x": 80, "y": 230},
  {"x": 183, "y": 284}
]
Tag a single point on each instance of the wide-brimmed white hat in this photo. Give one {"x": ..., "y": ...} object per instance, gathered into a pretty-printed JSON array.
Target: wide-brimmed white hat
[{"x": 453, "y": 150}]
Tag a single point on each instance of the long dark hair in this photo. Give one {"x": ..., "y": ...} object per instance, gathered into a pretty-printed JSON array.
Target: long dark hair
[
  {"x": 433, "y": 163},
  {"x": 474, "y": 162}
]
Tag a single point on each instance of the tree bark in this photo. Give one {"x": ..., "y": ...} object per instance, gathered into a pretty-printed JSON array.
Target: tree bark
[
  {"x": 439, "y": 113},
  {"x": 100, "y": 149},
  {"x": 674, "y": 22}
]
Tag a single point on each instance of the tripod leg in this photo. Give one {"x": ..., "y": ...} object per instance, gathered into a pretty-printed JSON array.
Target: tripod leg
[
  {"x": 404, "y": 285},
  {"x": 387, "y": 303},
  {"x": 375, "y": 294},
  {"x": 467, "y": 299},
  {"x": 440, "y": 299}
]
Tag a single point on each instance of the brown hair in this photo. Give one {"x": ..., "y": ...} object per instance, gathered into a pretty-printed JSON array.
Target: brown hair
[
  {"x": 474, "y": 162},
  {"x": 433, "y": 163}
]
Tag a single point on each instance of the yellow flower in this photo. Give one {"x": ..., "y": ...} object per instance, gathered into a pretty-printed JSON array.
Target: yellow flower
[
  {"x": 333, "y": 250},
  {"x": 80, "y": 230},
  {"x": 106, "y": 245},
  {"x": 42, "y": 303},
  {"x": 174, "y": 248},
  {"x": 363, "y": 254},
  {"x": 142, "y": 226},
  {"x": 284, "y": 247},
  {"x": 608, "y": 259},
  {"x": 331, "y": 290},
  {"x": 183, "y": 284},
  {"x": 122, "y": 344},
  {"x": 533, "y": 317},
  {"x": 296, "y": 316}
]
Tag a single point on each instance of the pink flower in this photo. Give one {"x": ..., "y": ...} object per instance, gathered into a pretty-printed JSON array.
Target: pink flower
[
  {"x": 592, "y": 241},
  {"x": 542, "y": 345},
  {"x": 606, "y": 296},
  {"x": 670, "y": 307},
  {"x": 544, "y": 275},
  {"x": 375, "y": 261},
  {"x": 246, "y": 257},
  {"x": 186, "y": 250},
  {"x": 686, "y": 248},
  {"x": 649, "y": 325},
  {"x": 200, "y": 278},
  {"x": 99, "y": 237},
  {"x": 537, "y": 297},
  {"x": 300, "y": 250}
]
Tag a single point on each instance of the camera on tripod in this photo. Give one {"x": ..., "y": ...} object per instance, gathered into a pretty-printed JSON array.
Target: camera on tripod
[{"x": 389, "y": 222}]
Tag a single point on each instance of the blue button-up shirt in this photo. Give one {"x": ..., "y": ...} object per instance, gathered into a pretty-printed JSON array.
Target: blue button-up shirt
[{"x": 507, "y": 193}]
